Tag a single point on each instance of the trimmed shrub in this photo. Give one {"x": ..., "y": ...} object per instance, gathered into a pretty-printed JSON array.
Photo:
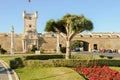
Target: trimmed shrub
[
  {"x": 39, "y": 63},
  {"x": 2, "y": 51},
  {"x": 83, "y": 57},
  {"x": 70, "y": 63},
  {"x": 44, "y": 57},
  {"x": 84, "y": 63},
  {"x": 13, "y": 64},
  {"x": 16, "y": 63},
  {"x": 34, "y": 48},
  {"x": 109, "y": 57},
  {"x": 102, "y": 56},
  {"x": 63, "y": 49}
]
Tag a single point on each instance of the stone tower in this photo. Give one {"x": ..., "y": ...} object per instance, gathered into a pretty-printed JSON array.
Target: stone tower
[{"x": 30, "y": 35}]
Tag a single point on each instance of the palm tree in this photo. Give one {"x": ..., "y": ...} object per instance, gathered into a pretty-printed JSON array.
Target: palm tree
[{"x": 68, "y": 27}]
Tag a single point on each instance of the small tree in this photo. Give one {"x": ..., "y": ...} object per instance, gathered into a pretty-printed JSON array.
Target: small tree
[
  {"x": 2, "y": 51},
  {"x": 34, "y": 48},
  {"x": 68, "y": 27}
]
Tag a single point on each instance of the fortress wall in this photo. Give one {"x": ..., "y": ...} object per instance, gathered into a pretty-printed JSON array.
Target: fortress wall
[
  {"x": 48, "y": 42},
  {"x": 103, "y": 41},
  {"x": 5, "y": 42},
  {"x": 18, "y": 44}
]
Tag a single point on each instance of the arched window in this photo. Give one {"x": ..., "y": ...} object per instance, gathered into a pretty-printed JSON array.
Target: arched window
[
  {"x": 95, "y": 46},
  {"x": 30, "y": 26}
]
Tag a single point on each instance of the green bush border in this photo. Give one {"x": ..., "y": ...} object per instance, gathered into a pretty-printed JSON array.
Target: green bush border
[
  {"x": 59, "y": 61},
  {"x": 44, "y": 57},
  {"x": 16, "y": 63}
]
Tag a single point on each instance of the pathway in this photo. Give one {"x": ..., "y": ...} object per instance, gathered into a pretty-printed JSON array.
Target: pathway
[{"x": 6, "y": 73}]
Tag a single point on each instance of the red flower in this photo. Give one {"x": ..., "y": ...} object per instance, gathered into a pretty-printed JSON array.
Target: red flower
[{"x": 99, "y": 73}]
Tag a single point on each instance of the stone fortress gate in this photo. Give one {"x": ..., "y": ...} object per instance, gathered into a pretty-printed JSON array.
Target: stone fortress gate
[
  {"x": 30, "y": 35},
  {"x": 99, "y": 41},
  {"x": 47, "y": 42}
]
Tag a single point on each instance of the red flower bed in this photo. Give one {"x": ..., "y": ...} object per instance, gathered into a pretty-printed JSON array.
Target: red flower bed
[{"x": 99, "y": 73}]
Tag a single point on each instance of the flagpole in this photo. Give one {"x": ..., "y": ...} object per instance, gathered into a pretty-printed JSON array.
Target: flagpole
[{"x": 29, "y": 1}]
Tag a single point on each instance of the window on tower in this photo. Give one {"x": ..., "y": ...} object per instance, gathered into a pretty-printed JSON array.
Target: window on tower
[
  {"x": 30, "y": 26},
  {"x": 30, "y": 18}
]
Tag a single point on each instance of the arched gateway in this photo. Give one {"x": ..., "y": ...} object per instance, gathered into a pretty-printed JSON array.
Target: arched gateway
[
  {"x": 100, "y": 41},
  {"x": 93, "y": 41}
]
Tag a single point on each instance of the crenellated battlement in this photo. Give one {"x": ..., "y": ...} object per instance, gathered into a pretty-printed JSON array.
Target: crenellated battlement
[
  {"x": 91, "y": 35},
  {"x": 99, "y": 35},
  {"x": 9, "y": 35}
]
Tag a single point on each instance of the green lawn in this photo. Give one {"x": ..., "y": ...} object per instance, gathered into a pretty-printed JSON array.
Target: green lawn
[
  {"x": 116, "y": 68},
  {"x": 51, "y": 73},
  {"x": 44, "y": 73},
  {"x": 7, "y": 58}
]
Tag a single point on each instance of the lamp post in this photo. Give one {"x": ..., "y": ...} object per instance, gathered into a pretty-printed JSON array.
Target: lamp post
[{"x": 12, "y": 40}]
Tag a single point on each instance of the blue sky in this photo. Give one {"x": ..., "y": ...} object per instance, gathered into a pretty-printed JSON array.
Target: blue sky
[{"x": 105, "y": 14}]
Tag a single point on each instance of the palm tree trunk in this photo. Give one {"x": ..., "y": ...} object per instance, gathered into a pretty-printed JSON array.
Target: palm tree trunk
[{"x": 68, "y": 50}]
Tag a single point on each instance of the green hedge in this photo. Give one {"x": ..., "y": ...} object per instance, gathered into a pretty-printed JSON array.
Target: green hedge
[
  {"x": 39, "y": 63},
  {"x": 2, "y": 51},
  {"x": 59, "y": 61},
  {"x": 16, "y": 63},
  {"x": 44, "y": 57},
  {"x": 63, "y": 49},
  {"x": 83, "y": 57},
  {"x": 108, "y": 62},
  {"x": 70, "y": 63},
  {"x": 58, "y": 56},
  {"x": 87, "y": 63}
]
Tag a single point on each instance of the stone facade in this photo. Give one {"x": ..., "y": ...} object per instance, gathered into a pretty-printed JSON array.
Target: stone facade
[
  {"x": 30, "y": 35},
  {"x": 5, "y": 42},
  {"x": 101, "y": 40},
  {"x": 48, "y": 42}
]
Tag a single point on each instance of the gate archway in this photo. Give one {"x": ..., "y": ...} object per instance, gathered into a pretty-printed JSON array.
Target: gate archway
[{"x": 84, "y": 46}]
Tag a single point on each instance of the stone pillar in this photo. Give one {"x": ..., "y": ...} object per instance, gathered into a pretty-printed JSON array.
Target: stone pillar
[
  {"x": 12, "y": 40},
  {"x": 37, "y": 43},
  {"x": 23, "y": 45},
  {"x": 90, "y": 47},
  {"x": 58, "y": 43}
]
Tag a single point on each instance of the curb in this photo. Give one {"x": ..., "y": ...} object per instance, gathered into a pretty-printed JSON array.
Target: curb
[{"x": 14, "y": 73}]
